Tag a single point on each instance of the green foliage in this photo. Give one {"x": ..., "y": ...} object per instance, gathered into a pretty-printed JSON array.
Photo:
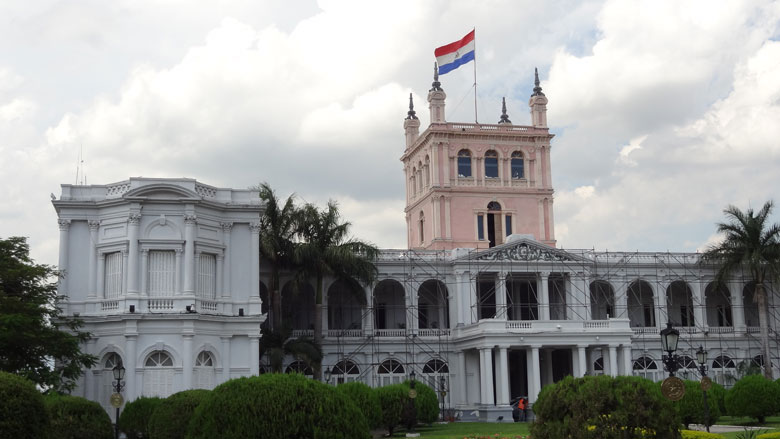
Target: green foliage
[
  {"x": 32, "y": 342},
  {"x": 753, "y": 396},
  {"x": 277, "y": 406},
  {"x": 134, "y": 420},
  {"x": 392, "y": 400},
  {"x": 73, "y": 417},
  {"x": 366, "y": 399},
  {"x": 278, "y": 344},
  {"x": 426, "y": 404},
  {"x": 22, "y": 412},
  {"x": 172, "y": 416},
  {"x": 717, "y": 393},
  {"x": 775, "y": 435},
  {"x": 691, "y": 407},
  {"x": 693, "y": 434},
  {"x": 604, "y": 407}
]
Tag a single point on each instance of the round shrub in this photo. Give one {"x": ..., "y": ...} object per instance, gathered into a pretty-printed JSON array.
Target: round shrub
[
  {"x": 134, "y": 420},
  {"x": 426, "y": 404},
  {"x": 718, "y": 394},
  {"x": 604, "y": 407},
  {"x": 366, "y": 399},
  {"x": 22, "y": 413},
  {"x": 171, "y": 418},
  {"x": 277, "y": 406},
  {"x": 691, "y": 407},
  {"x": 73, "y": 417},
  {"x": 392, "y": 400},
  {"x": 753, "y": 396}
]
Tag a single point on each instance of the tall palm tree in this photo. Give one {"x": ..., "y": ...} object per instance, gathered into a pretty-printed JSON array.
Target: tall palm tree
[
  {"x": 278, "y": 344},
  {"x": 750, "y": 242},
  {"x": 328, "y": 250},
  {"x": 279, "y": 226}
]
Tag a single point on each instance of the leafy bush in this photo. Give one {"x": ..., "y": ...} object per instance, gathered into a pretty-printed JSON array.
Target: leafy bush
[
  {"x": 172, "y": 417},
  {"x": 718, "y": 394},
  {"x": 691, "y": 407},
  {"x": 366, "y": 400},
  {"x": 604, "y": 407},
  {"x": 22, "y": 412},
  {"x": 277, "y": 406},
  {"x": 426, "y": 404},
  {"x": 693, "y": 434},
  {"x": 753, "y": 396},
  {"x": 134, "y": 420},
  {"x": 73, "y": 417},
  {"x": 392, "y": 400},
  {"x": 775, "y": 435}
]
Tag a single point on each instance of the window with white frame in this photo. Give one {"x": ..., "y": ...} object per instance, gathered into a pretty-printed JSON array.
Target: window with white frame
[
  {"x": 113, "y": 275},
  {"x": 162, "y": 273},
  {"x": 517, "y": 165},
  {"x": 158, "y": 375},
  {"x": 491, "y": 164},
  {"x": 646, "y": 367},
  {"x": 204, "y": 371},
  {"x": 390, "y": 372},
  {"x": 207, "y": 276},
  {"x": 345, "y": 371}
]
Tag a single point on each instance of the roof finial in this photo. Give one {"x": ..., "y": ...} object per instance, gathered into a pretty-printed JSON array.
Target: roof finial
[
  {"x": 537, "y": 88},
  {"x": 504, "y": 117},
  {"x": 411, "y": 114},
  {"x": 436, "y": 86}
]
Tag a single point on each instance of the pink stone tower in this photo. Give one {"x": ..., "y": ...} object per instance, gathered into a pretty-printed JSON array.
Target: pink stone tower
[{"x": 471, "y": 185}]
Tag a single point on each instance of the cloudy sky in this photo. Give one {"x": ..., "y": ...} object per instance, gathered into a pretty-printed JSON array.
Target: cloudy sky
[{"x": 664, "y": 111}]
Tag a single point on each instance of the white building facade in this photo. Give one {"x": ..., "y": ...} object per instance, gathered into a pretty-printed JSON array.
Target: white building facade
[{"x": 166, "y": 275}]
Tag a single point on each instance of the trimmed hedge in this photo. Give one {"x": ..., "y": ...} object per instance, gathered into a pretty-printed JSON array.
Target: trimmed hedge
[
  {"x": 426, "y": 404},
  {"x": 691, "y": 407},
  {"x": 392, "y": 400},
  {"x": 693, "y": 434},
  {"x": 73, "y": 417},
  {"x": 171, "y": 418},
  {"x": 775, "y": 435},
  {"x": 366, "y": 399},
  {"x": 277, "y": 406},
  {"x": 604, "y": 407},
  {"x": 753, "y": 396},
  {"x": 134, "y": 420},
  {"x": 22, "y": 411}
]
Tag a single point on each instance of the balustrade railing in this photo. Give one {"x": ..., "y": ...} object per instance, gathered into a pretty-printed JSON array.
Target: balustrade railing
[{"x": 160, "y": 305}]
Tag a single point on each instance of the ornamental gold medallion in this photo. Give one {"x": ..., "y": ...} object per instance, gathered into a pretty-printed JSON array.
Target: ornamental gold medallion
[
  {"x": 673, "y": 388},
  {"x": 706, "y": 383}
]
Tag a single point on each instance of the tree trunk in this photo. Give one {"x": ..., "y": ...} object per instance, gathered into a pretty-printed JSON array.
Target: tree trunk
[
  {"x": 763, "y": 323},
  {"x": 317, "y": 368}
]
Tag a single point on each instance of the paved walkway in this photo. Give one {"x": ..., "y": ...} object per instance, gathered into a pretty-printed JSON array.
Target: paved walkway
[{"x": 726, "y": 428}]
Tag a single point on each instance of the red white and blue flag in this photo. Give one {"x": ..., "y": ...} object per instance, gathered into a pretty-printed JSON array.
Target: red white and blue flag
[{"x": 454, "y": 55}]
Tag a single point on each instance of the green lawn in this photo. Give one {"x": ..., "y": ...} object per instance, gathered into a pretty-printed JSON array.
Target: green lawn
[{"x": 460, "y": 430}]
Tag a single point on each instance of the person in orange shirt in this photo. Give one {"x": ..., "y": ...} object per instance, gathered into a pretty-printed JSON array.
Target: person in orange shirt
[{"x": 521, "y": 405}]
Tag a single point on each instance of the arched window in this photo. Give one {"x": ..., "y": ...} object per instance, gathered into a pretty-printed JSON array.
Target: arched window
[
  {"x": 390, "y": 372},
  {"x": 299, "y": 367},
  {"x": 687, "y": 367},
  {"x": 204, "y": 371},
  {"x": 491, "y": 164},
  {"x": 427, "y": 171},
  {"x": 645, "y": 367},
  {"x": 107, "y": 378},
  {"x": 345, "y": 371},
  {"x": 158, "y": 374},
  {"x": 723, "y": 362},
  {"x": 464, "y": 163},
  {"x": 517, "y": 165},
  {"x": 718, "y": 308},
  {"x": 436, "y": 366},
  {"x": 724, "y": 370},
  {"x": 421, "y": 225},
  {"x": 389, "y": 306},
  {"x": 435, "y": 374},
  {"x": 432, "y": 306},
  {"x": 640, "y": 304},
  {"x": 679, "y": 303},
  {"x": 602, "y": 300},
  {"x": 495, "y": 234}
]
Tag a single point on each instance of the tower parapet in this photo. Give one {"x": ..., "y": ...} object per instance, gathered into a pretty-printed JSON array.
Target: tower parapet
[
  {"x": 436, "y": 97},
  {"x": 538, "y": 104}
]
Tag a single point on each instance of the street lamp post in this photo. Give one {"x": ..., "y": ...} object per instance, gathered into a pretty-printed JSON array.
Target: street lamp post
[
  {"x": 412, "y": 397},
  {"x": 116, "y": 398},
  {"x": 327, "y": 375},
  {"x": 701, "y": 358},
  {"x": 672, "y": 387}
]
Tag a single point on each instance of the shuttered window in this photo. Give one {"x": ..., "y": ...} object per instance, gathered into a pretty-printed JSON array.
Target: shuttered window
[
  {"x": 113, "y": 275},
  {"x": 207, "y": 276},
  {"x": 158, "y": 375},
  {"x": 162, "y": 271},
  {"x": 204, "y": 371}
]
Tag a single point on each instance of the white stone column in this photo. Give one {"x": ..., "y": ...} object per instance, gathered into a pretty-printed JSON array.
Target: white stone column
[
  {"x": 486, "y": 373},
  {"x": 254, "y": 298},
  {"x": 187, "y": 362},
  {"x": 500, "y": 286},
  {"x": 582, "y": 359},
  {"x": 254, "y": 355},
  {"x": 447, "y": 222},
  {"x": 226, "y": 273},
  {"x": 697, "y": 295},
  {"x": 544, "y": 296},
  {"x": 613, "y": 363},
  {"x": 226, "y": 363},
  {"x": 413, "y": 312},
  {"x": 460, "y": 303},
  {"x": 133, "y": 223},
  {"x": 101, "y": 276},
  {"x": 124, "y": 271},
  {"x": 178, "y": 275},
  {"x": 502, "y": 384},
  {"x": 462, "y": 394},
  {"x": 94, "y": 226},
  {"x": 368, "y": 317},
  {"x": 62, "y": 287},
  {"x": 661, "y": 313},
  {"x": 130, "y": 363},
  {"x": 190, "y": 222},
  {"x": 737, "y": 306},
  {"x": 220, "y": 261},
  {"x": 586, "y": 315},
  {"x": 628, "y": 360},
  {"x": 621, "y": 299},
  {"x": 144, "y": 272},
  {"x": 605, "y": 363},
  {"x": 535, "y": 383}
]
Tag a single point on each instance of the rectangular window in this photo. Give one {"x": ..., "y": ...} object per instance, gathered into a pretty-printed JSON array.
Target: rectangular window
[
  {"x": 480, "y": 228},
  {"x": 113, "y": 275},
  {"x": 491, "y": 167},
  {"x": 464, "y": 166},
  {"x": 207, "y": 276},
  {"x": 162, "y": 272},
  {"x": 517, "y": 168},
  {"x": 508, "y": 225}
]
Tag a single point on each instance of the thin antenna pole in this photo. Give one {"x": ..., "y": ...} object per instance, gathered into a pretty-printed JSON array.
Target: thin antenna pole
[{"x": 476, "y": 119}]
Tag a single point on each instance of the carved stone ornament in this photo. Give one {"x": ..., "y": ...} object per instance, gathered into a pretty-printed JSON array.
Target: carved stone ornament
[
  {"x": 134, "y": 218},
  {"x": 255, "y": 227},
  {"x": 93, "y": 224},
  {"x": 524, "y": 252},
  {"x": 64, "y": 224},
  {"x": 226, "y": 226},
  {"x": 190, "y": 220},
  {"x": 673, "y": 388}
]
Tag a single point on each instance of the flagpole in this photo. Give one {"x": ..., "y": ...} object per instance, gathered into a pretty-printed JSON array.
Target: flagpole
[{"x": 476, "y": 119}]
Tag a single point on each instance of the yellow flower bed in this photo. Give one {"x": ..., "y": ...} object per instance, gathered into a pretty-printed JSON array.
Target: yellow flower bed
[
  {"x": 693, "y": 434},
  {"x": 775, "y": 435}
]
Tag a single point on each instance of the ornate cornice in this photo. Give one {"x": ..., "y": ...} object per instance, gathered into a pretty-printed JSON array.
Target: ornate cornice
[
  {"x": 64, "y": 224},
  {"x": 190, "y": 220},
  {"x": 255, "y": 227},
  {"x": 226, "y": 226},
  {"x": 524, "y": 251},
  {"x": 134, "y": 219},
  {"x": 94, "y": 225}
]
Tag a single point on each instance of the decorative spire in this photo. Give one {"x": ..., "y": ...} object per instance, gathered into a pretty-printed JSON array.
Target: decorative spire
[
  {"x": 436, "y": 85},
  {"x": 411, "y": 114},
  {"x": 504, "y": 117},
  {"x": 537, "y": 88}
]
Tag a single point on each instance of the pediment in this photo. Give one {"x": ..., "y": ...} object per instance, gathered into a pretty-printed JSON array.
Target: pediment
[
  {"x": 525, "y": 250},
  {"x": 161, "y": 192}
]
